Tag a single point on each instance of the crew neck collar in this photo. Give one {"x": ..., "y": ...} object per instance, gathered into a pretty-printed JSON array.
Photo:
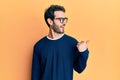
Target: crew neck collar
[{"x": 55, "y": 38}]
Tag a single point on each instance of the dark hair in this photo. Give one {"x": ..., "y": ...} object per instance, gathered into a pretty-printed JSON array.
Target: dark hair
[{"x": 49, "y": 12}]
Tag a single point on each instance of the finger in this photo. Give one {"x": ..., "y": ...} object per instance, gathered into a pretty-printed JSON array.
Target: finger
[
  {"x": 81, "y": 41},
  {"x": 87, "y": 41}
]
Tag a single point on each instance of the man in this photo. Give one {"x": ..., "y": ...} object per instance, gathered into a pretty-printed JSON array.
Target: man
[{"x": 57, "y": 54}]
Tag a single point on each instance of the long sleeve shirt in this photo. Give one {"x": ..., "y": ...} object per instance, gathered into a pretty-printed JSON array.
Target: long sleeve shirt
[{"x": 56, "y": 59}]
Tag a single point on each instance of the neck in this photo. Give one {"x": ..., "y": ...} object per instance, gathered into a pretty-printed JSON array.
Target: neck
[{"x": 53, "y": 34}]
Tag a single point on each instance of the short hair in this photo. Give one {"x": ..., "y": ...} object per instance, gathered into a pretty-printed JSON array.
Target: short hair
[{"x": 49, "y": 12}]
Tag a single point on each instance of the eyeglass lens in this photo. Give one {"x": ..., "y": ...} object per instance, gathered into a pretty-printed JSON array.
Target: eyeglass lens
[{"x": 62, "y": 19}]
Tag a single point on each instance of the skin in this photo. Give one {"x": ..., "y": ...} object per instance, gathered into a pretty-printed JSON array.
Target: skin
[{"x": 57, "y": 29}]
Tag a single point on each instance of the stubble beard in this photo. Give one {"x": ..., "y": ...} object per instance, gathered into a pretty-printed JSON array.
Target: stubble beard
[{"x": 57, "y": 30}]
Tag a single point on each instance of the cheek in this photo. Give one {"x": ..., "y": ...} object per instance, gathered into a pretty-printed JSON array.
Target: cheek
[{"x": 57, "y": 23}]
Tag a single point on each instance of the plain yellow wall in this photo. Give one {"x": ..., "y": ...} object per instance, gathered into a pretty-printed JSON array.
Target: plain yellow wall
[{"x": 22, "y": 24}]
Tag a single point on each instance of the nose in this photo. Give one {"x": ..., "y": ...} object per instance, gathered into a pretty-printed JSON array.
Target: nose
[{"x": 64, "y": 22}]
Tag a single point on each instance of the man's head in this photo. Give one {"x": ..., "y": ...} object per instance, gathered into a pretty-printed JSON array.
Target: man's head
[{"x": 55, "y": 18}]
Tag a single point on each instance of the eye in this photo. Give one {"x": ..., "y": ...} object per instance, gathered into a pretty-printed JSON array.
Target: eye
[{"x": 62, "y": 19}]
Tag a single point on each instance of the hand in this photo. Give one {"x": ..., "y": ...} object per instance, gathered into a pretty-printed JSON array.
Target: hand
[{"x": 82, "y": 46}]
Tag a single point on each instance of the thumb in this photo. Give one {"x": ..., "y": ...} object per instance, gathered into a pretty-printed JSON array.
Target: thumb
[{"x": 87, "y": 42}]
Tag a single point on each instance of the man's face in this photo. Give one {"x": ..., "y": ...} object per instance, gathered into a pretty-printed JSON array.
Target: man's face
[{"x": 59, "y": 22}]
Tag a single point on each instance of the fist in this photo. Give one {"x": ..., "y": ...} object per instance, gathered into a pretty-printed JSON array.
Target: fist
[{"x": 82, "y": 46}]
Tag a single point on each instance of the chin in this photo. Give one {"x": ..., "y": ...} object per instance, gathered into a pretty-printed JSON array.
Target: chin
[{"x": 60, "y": 32}]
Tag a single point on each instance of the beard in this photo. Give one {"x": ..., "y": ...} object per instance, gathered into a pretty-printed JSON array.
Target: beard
[{"x": 57, "y": 29}]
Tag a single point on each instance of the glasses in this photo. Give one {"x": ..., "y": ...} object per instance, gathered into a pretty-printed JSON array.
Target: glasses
[{"x": 62, "y": 19}]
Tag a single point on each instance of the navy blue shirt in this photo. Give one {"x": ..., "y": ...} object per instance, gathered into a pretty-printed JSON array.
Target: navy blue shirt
[{"x": 56, "y": 59}]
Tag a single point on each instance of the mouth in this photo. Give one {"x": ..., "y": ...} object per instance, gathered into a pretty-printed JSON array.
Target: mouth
[{"x": 62, "y": 26}]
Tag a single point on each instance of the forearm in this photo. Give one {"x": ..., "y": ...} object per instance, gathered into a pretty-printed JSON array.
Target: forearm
[{"x": 81, "y": 61}]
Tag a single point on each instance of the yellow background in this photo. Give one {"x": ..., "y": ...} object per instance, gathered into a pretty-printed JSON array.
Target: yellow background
[{"x": 22, "y": 24}]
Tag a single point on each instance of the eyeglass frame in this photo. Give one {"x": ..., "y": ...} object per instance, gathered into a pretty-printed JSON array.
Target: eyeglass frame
[{"x": 61, "y": 19}]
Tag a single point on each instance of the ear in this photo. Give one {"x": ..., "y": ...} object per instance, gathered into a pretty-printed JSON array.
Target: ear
[{"x": 50, "y": 21}]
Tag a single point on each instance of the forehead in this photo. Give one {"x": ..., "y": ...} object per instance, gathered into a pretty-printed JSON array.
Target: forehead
[{"x": 59, "y": 14}]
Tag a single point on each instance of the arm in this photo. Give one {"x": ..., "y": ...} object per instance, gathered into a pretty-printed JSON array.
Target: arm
[
  {"x": 81, "y": 56},
  {"x": 80, "y": 60},
  {"x": 35, "y": 75}
]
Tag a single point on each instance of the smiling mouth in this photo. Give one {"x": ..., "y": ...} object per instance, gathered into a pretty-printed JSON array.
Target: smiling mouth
[{"x": 62, "y": 26}]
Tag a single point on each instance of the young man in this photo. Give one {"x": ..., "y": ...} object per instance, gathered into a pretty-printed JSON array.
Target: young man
[{"x": 57, "y": 54}]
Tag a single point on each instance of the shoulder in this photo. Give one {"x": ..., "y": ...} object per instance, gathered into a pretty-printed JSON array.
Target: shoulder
[
  {"x": 40, "y": 42},
  {"x": 70, "y": 38}
]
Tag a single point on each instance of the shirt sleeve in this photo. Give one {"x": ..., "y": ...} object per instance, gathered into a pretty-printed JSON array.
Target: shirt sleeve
[
  {"x": 80, "y": 60},
  {"x": 35, "y": 74}
]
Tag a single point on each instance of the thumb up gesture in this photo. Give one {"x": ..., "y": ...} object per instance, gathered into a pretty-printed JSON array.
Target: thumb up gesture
[{"x": 82, "y": 46}]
